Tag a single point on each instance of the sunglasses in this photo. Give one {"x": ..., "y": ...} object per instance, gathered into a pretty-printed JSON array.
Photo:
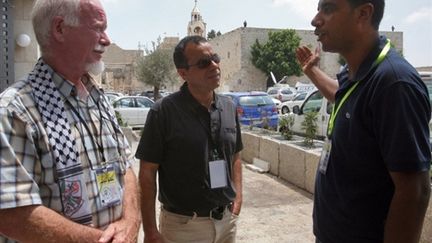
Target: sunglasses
[{"x": 205, "y": 62}]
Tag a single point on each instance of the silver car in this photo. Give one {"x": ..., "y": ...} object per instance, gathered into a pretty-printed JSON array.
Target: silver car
[
  {"x": 133, "y": 109},
  {"x": 282, "y": 93}
]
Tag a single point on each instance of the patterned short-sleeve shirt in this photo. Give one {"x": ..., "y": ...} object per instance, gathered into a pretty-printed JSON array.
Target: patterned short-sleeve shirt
[{"x": 27, "y": 169}]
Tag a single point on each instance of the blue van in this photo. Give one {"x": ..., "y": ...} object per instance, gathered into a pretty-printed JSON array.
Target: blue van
[{"x": 255, "y": 108}]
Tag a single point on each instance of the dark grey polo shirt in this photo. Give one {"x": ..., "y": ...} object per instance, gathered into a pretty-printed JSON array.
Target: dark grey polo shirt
[{"x": 178, "y": 136}]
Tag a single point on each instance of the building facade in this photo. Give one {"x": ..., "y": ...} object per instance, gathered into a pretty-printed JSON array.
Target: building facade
[
  {"x": 18, "y": 45},
  {"x": 238, "y": 72},
  {"x": 19, "y": 52},
  {"x": 119, "y": 74}
]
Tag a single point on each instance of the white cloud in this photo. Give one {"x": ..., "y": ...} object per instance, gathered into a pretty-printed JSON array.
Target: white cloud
[
  {"x": 305, "y": 8},
  {"x": 423, "y": 14}
]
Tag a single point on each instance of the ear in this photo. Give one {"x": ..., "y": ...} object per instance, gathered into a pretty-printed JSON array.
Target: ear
[
  {"x": 365, "y": 12},
  {"x": 182, "y": 72},
  {"x": 58, "y": 28}
]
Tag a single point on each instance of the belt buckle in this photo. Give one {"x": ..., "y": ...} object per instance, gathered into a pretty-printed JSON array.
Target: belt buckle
[{"x": 216, "y": 213}]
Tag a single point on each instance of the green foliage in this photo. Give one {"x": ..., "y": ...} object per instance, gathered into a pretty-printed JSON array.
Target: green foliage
[
  {"x": 120, "y": 119},
  {"x": 285, "y": 124},
  {"x": 212, "y": 34},
  {"x": 277, "y": 54},
  {"x": 156, "y": 68},
  {"x": 310, "y": 126}
]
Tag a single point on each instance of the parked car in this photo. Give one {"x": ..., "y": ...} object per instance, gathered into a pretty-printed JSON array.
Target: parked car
[
  {"x": 150, "y": 94},
  {"x": 282, "y": 93},
  {"x": 112, "y": 95},
  {"x": 277, "y": 103},
  {"x": 133, "y": 109},
  {"x": 286, "y": 107},
  {"x": 255, "y": 108},
  {"x": 314, "y": 102}
]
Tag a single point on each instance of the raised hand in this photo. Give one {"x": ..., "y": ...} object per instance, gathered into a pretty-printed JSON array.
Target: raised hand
[{"x": 307, "y": 58}]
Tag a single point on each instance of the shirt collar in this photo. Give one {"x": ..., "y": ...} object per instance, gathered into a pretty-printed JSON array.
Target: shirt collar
[
  {"x": 67, "y": 88},
  {"x": 184, "y": 90}
]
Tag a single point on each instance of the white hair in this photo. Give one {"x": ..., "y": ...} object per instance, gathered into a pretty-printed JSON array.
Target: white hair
[{"x": 44, "y": 12}]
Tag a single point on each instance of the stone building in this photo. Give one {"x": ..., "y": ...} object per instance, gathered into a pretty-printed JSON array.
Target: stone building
[
  {"x": 238, "y": 72},
  {"x": 18, "y": 46},
  {"x": 19, "y": 52},
  {"x": 119, "y": 73}
]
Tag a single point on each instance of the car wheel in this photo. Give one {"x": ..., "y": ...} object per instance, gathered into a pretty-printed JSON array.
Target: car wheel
[{"x": 285, "y": 110}]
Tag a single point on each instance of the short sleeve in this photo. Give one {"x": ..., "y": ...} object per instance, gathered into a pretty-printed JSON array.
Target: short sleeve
[
  {"x": 150, "y": 147},
  {"x": 19, "y": 169},
  {"x": 403, "y": 114}
]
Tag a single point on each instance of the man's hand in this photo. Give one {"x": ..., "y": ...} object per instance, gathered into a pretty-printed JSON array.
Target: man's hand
[
  {"x": 126, "y": 228},
  {"x": 236, "y": 207},
  {"x": 121, "y": 231},
  {"x": 306, "y": 58},
  {"x": 309, "y": 63}
]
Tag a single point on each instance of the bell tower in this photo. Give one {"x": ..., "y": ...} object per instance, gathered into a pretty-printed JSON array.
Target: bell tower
[{"x": 196, "y": 25}]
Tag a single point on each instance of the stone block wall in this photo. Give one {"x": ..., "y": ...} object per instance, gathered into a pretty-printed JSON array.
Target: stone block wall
[
  {"x": 25, "y": 57},
  {"x": 287, "y": 161},
  {"x": 292, "y": 164},
  {"x": 251, "y": 147},
  {"x": 269, "y": 152},
  {"x": 239, "y": 74}
]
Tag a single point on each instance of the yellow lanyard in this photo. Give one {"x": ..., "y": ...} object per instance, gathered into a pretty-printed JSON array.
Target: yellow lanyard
[{"x": 380, "y": 58}]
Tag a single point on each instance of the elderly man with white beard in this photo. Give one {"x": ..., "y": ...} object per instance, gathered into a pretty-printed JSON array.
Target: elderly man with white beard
[{"x": 65, "y": 165}]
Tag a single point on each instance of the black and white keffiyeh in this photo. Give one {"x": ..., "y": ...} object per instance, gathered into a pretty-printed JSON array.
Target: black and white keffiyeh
[{"x": 69, "y": 171}]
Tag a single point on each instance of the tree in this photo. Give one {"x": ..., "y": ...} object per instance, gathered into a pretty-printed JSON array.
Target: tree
[
  {"x": 277, "y": 55},
  {"x": 156, "y": 68},
  {"x": 212, "y": 34}
]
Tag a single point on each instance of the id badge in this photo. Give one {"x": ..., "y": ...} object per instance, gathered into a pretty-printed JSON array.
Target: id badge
[
  {"x": 325, "y": 155},
  {"x": 108, "y": 185},
  {"x": 218, "y": 174}
]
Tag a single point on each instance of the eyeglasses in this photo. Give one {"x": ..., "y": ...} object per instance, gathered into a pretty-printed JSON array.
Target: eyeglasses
[{"x": 205, "y": 62}]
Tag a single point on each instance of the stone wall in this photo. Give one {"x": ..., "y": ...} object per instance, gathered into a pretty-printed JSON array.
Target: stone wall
[
  {"x": 286, "y": 160},
  {"x": 119, "y": 73},
  {"x": 25, "y": 57},
  {"x": 238, "y": 72}
]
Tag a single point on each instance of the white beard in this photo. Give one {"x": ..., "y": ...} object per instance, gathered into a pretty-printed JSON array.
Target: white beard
[{"x": 96, "y": 68}]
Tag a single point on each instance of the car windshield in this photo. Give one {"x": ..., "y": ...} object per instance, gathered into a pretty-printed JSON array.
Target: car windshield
[
  {"x": 255, "y": 100},
  {"x": 314, "y": 103},
  {"x": 300, "y": 96},
  {"x": 144, "y": 103}
]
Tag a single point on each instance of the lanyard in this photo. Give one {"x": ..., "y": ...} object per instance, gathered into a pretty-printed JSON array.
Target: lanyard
[
  {"x": 334, "y": 113},
  {"x": 84, "y": 123}
]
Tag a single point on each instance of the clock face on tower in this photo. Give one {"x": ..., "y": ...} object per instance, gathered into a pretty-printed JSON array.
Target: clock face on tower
[{"x": 197, "y": 30}]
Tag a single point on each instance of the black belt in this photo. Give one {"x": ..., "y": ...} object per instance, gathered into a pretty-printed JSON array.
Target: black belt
[{"x": 215, "y": 213}]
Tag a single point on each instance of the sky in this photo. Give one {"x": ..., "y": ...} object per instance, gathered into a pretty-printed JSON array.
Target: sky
[{"x": 134, "y": 22}]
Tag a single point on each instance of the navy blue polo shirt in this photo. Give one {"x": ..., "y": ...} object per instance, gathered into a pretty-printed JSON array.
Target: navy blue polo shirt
[
  {"x": 381, "y": 127},
  {"x": 178, "y": 136}
]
